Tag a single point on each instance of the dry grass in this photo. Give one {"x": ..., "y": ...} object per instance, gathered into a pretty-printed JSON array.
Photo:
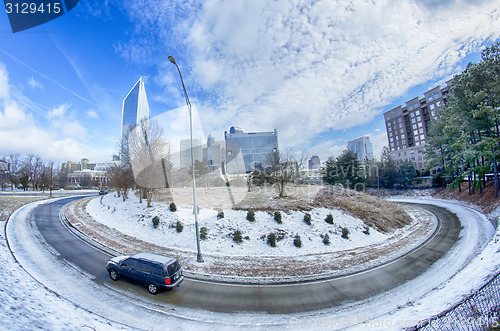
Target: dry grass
[
  {"x": 380, "y": 214},
  {"x": 9, "y": 204}
]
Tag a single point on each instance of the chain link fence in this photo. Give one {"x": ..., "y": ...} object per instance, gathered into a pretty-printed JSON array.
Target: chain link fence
[{"x": 479, "y": 311}]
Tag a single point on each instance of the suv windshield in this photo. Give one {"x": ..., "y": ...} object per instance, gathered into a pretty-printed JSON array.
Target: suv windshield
[{"x": 173, "y": 268}]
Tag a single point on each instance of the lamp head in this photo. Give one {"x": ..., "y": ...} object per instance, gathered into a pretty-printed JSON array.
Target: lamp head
[{"x": 171, "y": 59}]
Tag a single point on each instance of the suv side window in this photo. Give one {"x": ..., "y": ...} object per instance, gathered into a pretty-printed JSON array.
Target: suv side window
[
  {"x": 143, "y": 266},
  {"x": 157, "y": 269},
  {"x": 130, "y": 263}
]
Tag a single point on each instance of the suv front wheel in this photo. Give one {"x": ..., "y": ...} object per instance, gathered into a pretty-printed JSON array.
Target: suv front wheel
[
  {"x": 153, "y": 288},
  {"x": 113, "y": 275}
]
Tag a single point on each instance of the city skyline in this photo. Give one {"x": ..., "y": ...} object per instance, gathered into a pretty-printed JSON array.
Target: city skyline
[{"x": 321, "y": 73}]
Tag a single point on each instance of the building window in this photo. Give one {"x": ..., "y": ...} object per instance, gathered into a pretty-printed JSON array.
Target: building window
[
  {"x": 415, "y": 132},
  {"x": 414, "y": 126},
  {"x": 422, "y": 137},
  {"x": 419, "y": 118},
  {"x": 417, "y": 143},
  {"x": 430, "y": 98},
  {"x": 432, "y": 106},
  {"x": 416, "y": 138},
  {"x": 403, "y": 142},
  {"x": 438, "y": 103},
  {"x": 419, "y": 124},
  {"x": 412, "y": 114},
  {"x": 421, "y": 130},
  {"x": 413, "y": 120}
]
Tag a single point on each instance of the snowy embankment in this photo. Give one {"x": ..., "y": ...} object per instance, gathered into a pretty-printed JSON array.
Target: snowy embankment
[
  {"x": 254, "y": 260},
  {"x": 26, "y": 303}
]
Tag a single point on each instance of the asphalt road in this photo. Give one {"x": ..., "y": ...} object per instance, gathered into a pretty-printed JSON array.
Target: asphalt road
[{"x": 290, "y": 298}]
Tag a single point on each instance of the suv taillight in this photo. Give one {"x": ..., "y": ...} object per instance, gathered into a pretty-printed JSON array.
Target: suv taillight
[{"x": 167, "y": 281}]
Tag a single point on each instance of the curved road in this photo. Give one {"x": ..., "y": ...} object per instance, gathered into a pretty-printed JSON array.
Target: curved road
[{"x": 290, "y": 298}]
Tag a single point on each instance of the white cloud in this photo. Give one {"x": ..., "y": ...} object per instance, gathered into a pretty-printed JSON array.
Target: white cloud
[
  {"x": 92, "y": 114},
  {"x": 306, "y": 67},
  {"x": 20, "y": 132},
  {"x": 34, "y": 84},
  {"x": 58, "y": 112},
  {"x": 4, "y": 82}
]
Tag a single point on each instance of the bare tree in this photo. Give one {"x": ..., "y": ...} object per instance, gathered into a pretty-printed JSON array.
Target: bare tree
[
  {"x": 14, "y": 160},
  {"x": 147, "y": 153},
  {"x": 283, "y": 168},
  {"x": 121, "y": 179}
]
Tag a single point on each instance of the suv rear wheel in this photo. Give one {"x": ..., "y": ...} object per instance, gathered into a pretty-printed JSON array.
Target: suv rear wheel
[
  {"x": 153, "y": 288},
  {"x": 113, "y": 275}
]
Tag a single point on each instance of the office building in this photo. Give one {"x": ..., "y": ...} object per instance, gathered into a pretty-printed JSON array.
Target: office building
[
  {"x": 407, "y": 126},
  {"x": 185, "y": 152},
  {"x": 134, "y": 110},
  {"x": 314, "y": 162},
  {"x": 214, "y": 155},
  {"x": 249, "y": 151},
  {"x": 362, "y": 147}
]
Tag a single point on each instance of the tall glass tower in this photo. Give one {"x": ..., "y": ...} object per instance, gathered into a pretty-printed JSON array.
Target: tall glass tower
[{"x": 135, "y": 109}]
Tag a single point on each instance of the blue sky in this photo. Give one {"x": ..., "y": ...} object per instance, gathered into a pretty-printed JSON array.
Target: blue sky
[{"x": 321, "y": 72}]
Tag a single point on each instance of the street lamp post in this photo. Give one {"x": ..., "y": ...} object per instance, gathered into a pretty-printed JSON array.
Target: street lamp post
[{"x": 199, "y": 258}]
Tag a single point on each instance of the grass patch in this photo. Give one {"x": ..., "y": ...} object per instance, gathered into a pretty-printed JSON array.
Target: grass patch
[{"x": 377, "y": 213}]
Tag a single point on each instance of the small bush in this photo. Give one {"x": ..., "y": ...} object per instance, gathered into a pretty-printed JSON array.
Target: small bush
[
  {"x": 156, "y": 222},
  {"x": 277, "y": 217},
  {"x": 367, "y": 230},
  {"x": 345, "y": 233},
  {"x": 271, "y": 239},
  {"x": 251, "y": 215},
  {"x": 329, "y": 219},
  {"x": 172, "y": 207},
  {"x": 178, "y": 226},
  {"x": 326, "y": 239},
  {"x": 220, "y": 215},
  {"x": 237, "y": 237},
  {"x": 307, "y": 218},
  {"x": 297, "y": 241},
  {"x": 203, "y": 233}
]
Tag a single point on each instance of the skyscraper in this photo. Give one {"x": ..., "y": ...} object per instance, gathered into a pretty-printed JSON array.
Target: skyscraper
[
  {"x": 135, "y": 109},
  {"x": 185, "y": 152},
  {"x": 363, "y": 147}
]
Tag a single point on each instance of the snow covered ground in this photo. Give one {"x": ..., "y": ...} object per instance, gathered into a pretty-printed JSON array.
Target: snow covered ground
[{"x": 54, "y": 303}]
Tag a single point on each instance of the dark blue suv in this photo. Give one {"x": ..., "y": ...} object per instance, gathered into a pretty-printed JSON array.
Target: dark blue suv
[{"x": 154, "y": 271}]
